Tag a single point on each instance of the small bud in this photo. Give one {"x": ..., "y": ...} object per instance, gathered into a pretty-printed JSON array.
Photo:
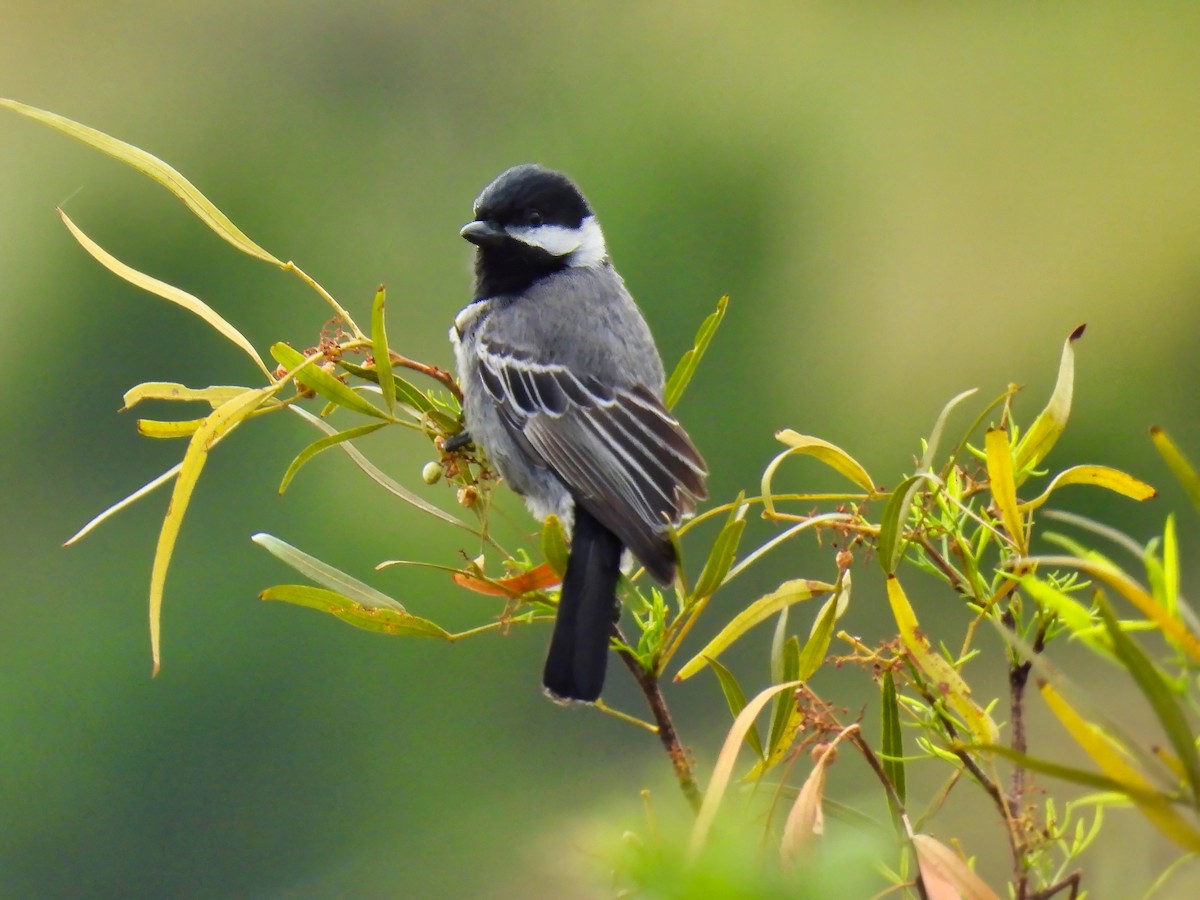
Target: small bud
[
  {"x": 845, "y": 559},
  {"x": 468, "y": 497},
  {"x": 431, "y": 473}
]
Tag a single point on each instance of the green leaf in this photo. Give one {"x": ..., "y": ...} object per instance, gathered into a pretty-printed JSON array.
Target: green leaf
[
  {"x": 691, "y": 359},
  {"x": 321, "y": 444},
  {"x": 737, "y": 702},
  {"x": 1046, "y": 429},
  {"x": 326, "y": 575},
  {"x": 1170, "y": 567},
  {"x": 315, "y": 377},
  {"x": 182, "y": 298},
  {"x": 763, "y": 608},
  {"x": 219, "y": 423},
  {"x": 1077, "y": 617},
  {"x": 381, "y": 621},
  {"x": 1157, "y": 807},
  {"x": 784, "y": 703},
  {"x": 1179, "y": 465},
  {"x": 1172, "y": 718},
  {"x": 379, "y": 349},
  {"x": 723, "y": 552},
  {"x": 406, "y": 392},
  {"x": 214, "y": 396},
  {"x": 935, "y": 436},
  {"x": 155, "y": 169},
  {"x": 554, "y": 545},
  {"x": 893, "y": 741},
  {"x": 817, "y": 644},
  {"x": 1082, "y": 777},
  {"x": 895, "y": 515}
]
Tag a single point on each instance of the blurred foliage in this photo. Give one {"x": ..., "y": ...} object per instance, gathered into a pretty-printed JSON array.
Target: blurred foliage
[{"x": 899, "y": 201}]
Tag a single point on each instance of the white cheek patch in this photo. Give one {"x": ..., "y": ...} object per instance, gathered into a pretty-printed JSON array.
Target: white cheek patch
[{"x": 583, "y": 246}]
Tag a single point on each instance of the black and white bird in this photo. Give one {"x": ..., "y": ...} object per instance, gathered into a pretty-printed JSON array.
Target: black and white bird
[{"x": 563, "y": 390}]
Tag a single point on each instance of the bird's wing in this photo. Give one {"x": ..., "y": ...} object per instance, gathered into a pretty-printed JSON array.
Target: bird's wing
[{"x": 618, "y": 450}]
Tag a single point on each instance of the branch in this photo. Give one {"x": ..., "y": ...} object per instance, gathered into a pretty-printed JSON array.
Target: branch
[{"x": 666, "y": 728}]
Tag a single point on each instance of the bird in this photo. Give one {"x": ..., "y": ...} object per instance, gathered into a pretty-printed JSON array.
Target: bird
[{"x": 563, "y": 391}]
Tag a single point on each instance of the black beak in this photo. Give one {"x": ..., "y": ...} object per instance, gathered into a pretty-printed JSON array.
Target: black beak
[{"x": 483, "y": 234}]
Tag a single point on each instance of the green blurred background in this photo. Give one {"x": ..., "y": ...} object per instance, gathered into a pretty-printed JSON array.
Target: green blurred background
[{"x": 902, "y": 200}]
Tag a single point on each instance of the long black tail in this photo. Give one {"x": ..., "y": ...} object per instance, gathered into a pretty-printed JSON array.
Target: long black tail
[{"x": 587, "y": 608}]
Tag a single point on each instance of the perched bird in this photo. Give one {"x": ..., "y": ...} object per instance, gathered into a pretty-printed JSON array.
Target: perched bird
[{"x": 562, "y": 388}]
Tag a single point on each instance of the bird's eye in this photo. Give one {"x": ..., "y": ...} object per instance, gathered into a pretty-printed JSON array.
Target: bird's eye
[{"x": 534, "y": 218}]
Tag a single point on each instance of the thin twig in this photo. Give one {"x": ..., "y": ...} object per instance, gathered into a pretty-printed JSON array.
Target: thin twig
[
  {"x": 1071, "y": 881},
  {"x": 434, "y": 372},
  {"x": 856, "y": 739},
  {"x": 666, "y": 728}
]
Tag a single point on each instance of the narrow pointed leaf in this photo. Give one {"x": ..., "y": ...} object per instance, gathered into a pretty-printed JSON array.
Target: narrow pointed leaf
[
  {"x": 1098, "y": 476},
  {"x": 1172, "y": 628},
  {"x": 817, "y": 645},
  {"x": 219, "y": 423},
  {"x": 1170, "y": 566},
  {"x": 894, "y": 518},
  {"x": 154, "y": 168},
  {"x": 935, "y": 437},
  {"x": 1052, "y": 421},
  {"x": 182, "y": 298},
  {"x": 554, "y": 545},
  {"x": 784, "y": 703},
  {"x": 214, "y": 396},
  {"x": 1179, "y": 464},
  {"x": 379, "y": 349},
  {"x": 315, "y": 377},
  {"x": 936, "y": 669},
  {"x": 893, "y": 741},
  {"x": 375, "y": 474},
  {"x": 686, "y": 367},
  {"x": 153, "y": 428},
  {"x": 737, "y": 702},
  {"x": 121, "y": 504},
  {"x": 1160, "y": 697},
  {"x": 322, "y": 444},
  {"x": 1157, "y": 808},
  {"x": 326, "y": 575},
  {"x": 761, "y": 609},
  {"x": 406, "y": 393},
  {"x": 724, "y": 550},
  {"x": 381, "y": 621},
  {"x": 536, "y": 579},
  {"x": 833, "y": 456},
  {"x": 1083, "y": 777},
  {"x": 805, "y": 822},
  {"x": 1078, "y": 618},
  {"x": 723, "y": 768},
  {"x": 1003, "y": 485}
]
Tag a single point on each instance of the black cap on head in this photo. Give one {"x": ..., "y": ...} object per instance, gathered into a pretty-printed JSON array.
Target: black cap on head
[{"x": 530, "y": 195}]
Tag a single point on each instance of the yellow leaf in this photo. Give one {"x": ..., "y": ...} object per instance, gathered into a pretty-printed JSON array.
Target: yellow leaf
[
  {"x": 834, "y": 457},
  {"x": 1099, "y": 476},
  {"x": 761, "y": 609},
  {"x": 167, "y": 291},
  {"x": 1004, "y": 485},
  {"x": 943, "y": 675},
  {"x": 723, "y": 768},
  {"x": 1155, "y": 806},
  {"x": 222, "y": 420},
  {"x": 1052, "y": 421},
  {"x": 152, "y": 167}
]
